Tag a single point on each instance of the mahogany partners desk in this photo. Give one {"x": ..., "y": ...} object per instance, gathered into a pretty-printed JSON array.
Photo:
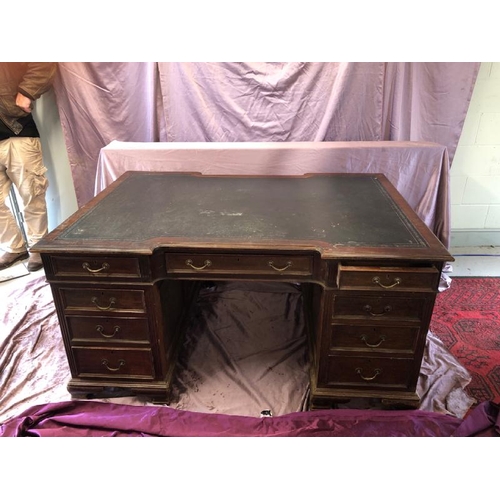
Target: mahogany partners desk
[{"x": 124, "y": 270}]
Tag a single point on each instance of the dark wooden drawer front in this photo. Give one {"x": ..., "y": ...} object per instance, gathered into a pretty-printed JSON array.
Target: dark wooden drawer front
[
  {"x": 373, "y": 338},
  {"x": 96, "y": 267},
  {"x": 362, "y": 372},
  {"x": 275, "y": 265},
  {"x": 103, "y": 300},
  {"x": 106, "y": 329},
  {"x": 388, "y": 278},
  {"x": 114, "y": 363},
  {"x": 375, "y": 307}
]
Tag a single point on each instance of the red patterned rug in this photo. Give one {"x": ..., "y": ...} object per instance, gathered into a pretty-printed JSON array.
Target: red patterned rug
[{"x": 467, "y": 320}]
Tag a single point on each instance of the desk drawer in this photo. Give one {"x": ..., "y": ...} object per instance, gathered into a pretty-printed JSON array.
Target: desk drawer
[
  {"x": 102, "y": 300},
  {"x": 106, "y": 329},
  {"x": 362, "y": 372},
  {"x": 387, "y": 278},
  {"x": 373, "y": 338},
  {"x": 279, "y": 265},
  {"x": 114, "y": 363},
  {"x": 378, "y": 307},
  {"x": 95, "y": 266}
]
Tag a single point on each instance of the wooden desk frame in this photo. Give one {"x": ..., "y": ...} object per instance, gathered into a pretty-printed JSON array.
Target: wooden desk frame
[{"x": 122, "y": 302}]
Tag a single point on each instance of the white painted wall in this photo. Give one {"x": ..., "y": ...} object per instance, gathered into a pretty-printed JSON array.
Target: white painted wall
[
  {"x": 475, "y": 172},
  {"x": 61, "y": 197}
]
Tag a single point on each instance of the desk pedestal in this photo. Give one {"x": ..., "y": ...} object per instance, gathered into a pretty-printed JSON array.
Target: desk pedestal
[{"x": 123, "y": 318}]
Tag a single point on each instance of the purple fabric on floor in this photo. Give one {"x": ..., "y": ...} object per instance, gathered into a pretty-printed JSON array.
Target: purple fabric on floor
[
  {"x": 90, "y": 418},
  {"x": 483, "y": 421}
]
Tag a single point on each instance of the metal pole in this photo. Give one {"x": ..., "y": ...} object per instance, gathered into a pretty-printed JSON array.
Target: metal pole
[{"x": 17, "y": 213}]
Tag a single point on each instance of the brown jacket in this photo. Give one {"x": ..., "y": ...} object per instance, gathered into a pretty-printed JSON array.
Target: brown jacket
[{"x": 30, "y": 79}]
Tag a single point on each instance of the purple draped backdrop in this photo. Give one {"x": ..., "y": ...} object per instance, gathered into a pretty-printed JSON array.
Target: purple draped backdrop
[{"x": 257, "y": 102}]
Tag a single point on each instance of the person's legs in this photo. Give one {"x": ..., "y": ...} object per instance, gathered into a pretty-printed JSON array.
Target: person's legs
[
  {"x": 27, "y": 171},
  {"x": 11, "y": 239}
]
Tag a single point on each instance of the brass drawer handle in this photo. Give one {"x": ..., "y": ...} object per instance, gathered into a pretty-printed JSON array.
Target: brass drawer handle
[
  {"x": 104, "y": 267},
  {"x": 121, "y": 362},
  {"x": 279, "y": 269},
  {"x": 382, "y": 339},
  {"x": 376, "y": 280},
  {"x": 377, "y": 372},
  {"x": 206, "y": 264},
  {"x": 112, "y": 302},
  {"x": 100, "y": 329},
  {"x": 368, "y": 309}
]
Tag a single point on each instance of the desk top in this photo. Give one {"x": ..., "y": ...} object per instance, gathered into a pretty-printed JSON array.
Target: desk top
[
  {"x": 332, "y": 213},
  {"x": 418, "y": 170}
]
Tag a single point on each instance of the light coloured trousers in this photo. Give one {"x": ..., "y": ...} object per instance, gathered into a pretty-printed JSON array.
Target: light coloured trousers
[{"x": 21, "y": 164}]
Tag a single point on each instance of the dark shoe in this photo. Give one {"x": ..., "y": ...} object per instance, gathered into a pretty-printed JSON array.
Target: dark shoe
[
  {"x": 7, "y": 259},
  {"x": 34, "y": 262}
]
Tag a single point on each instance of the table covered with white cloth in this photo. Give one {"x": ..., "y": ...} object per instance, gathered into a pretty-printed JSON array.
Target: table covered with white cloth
[{"x": 418, "y": 170}]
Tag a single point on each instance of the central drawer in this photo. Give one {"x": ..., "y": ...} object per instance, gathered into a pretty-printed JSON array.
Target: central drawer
[{"x": 266, "y": 264}]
